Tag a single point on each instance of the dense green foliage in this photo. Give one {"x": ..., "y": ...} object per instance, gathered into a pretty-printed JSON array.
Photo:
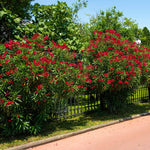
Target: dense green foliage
[
  {"x": 57, "y": 22},
  {"x": 145, "y": 37},
  {"x": 8, "y": 25},
  {"x": 11, "y": 17},
  {"x": 114, "y": 20},
  {"x": 19, "y": 7}
]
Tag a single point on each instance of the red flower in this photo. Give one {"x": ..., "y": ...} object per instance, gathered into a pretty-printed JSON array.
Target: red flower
[
  {"x": 47, "y": 94},
  {"x": 111, "y": 69},
  {"x": 80, "y": 86},
  {"x": 105, "y": 75},
  {"x": 18, "y": 115},
  {"x": 1, "y": 75},
  {"x": 93, "y": 87},
  {"x": 120, "y": 82},
  {"x": 1, "y": 100},
  {"x": 94, "y": 76},
  {"x": 46, "y": 38},
  {"x": 100, "y": 80},
  {"x": 119, "y": 72},
  {"x": 6, "y": 61},
  {"x": 40, "y": 86},
  {"x": 9, "y": 103},
  {"x": 8, "y": 72},
  {"x": 88, "y": 80},
  {"x": 72, "y": 89},
  {"x": 36, "y": 62},
  {"x": 7, "y": 93},
  {"x": 24, "y": 57},
  {"x": 10, "y": 82},
  {"x": 19, "y": 97},
  {"x": 146, "y": 70},
  {"x": 110, "y": 31},
  {"x": 126, "y": 82},
  {"x": 110, "y": 81}
]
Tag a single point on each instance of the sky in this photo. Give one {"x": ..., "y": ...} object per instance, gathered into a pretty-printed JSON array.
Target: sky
[{"x": 137, "y": 10}]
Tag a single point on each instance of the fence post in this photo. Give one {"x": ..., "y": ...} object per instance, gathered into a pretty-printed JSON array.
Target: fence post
[
  {"x": 149, "y": 92},
  {"x": 102, "y": 101}
]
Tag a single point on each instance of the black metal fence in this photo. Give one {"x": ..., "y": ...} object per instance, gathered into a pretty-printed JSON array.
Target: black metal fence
[
  {"x": 75, "y": 106},
  {"x": 142, "y": 94},
  {"x": 85, "y": 103}
]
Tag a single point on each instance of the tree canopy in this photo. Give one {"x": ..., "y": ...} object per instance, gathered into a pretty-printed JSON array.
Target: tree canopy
[
  {"x": 145, "y": 37},
  {"x": 18, "y": 7},
  {"x": 114, "y": 20}
]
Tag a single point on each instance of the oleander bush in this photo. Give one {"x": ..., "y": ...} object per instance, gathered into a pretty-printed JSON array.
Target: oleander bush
[
  {"x": 34, "y": 75},
  {"x": 118, "y": 68},
  {"x": 37, "y": 73}
]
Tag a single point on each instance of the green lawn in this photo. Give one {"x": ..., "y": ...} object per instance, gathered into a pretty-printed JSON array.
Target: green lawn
[{"x": 73, "y": 124}]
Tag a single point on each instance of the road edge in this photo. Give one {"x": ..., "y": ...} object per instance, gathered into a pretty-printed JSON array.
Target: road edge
[{"x": 59, "y": 137}]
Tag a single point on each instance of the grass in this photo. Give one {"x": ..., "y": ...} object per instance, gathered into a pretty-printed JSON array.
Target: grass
[{"x": 83, "y": 121}]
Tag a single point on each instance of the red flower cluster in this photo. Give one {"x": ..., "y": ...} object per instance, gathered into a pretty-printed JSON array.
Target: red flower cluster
[
  {"x": 35, "y": 68},
  {"x": 9, "y": 103},
  {"x": 116, "y": 60},
  {"x": 38, "y": 73},
  {"x": 1, "y": 100}
]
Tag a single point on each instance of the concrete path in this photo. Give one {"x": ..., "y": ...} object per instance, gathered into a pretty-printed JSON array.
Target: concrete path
[{"x": 129, "y": 135}]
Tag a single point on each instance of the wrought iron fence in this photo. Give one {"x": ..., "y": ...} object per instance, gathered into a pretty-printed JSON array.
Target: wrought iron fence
[
  {"x": 74, "y": 106},
  {"x": 85, "y": 103},
  {"x": 142, "y": 94}
]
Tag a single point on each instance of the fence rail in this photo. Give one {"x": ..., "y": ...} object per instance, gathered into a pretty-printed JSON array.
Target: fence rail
[{"x": 85, "y": 103}]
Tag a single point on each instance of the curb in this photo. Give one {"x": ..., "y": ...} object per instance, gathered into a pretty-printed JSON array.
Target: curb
[{"x": 59, "y": 137}]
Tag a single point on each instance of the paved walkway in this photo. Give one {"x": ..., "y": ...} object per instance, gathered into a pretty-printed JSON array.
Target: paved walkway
[{"x": 129, "y": 135}]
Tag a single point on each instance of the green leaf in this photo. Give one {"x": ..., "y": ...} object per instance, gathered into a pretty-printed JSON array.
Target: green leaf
[
  {"x": 2, "y": 13},
  {"x": 17, "y": 20}
]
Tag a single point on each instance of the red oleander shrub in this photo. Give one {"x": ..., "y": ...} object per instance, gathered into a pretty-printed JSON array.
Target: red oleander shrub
[{"x": 118, "y": 67}]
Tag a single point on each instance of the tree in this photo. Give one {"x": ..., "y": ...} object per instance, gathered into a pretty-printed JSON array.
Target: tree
[
  {"x": 8, "y": 24},
  {"x": 114, "y": 20},
  {"x": 145, "y": 37},
  {"x": 11, "y": 16},
  {"x": 58, "y": 21},
  {"x": 18, "y": 7}
]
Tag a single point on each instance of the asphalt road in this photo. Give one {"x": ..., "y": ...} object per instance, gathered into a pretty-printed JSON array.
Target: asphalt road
[{"x": 129, "y": 135}]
